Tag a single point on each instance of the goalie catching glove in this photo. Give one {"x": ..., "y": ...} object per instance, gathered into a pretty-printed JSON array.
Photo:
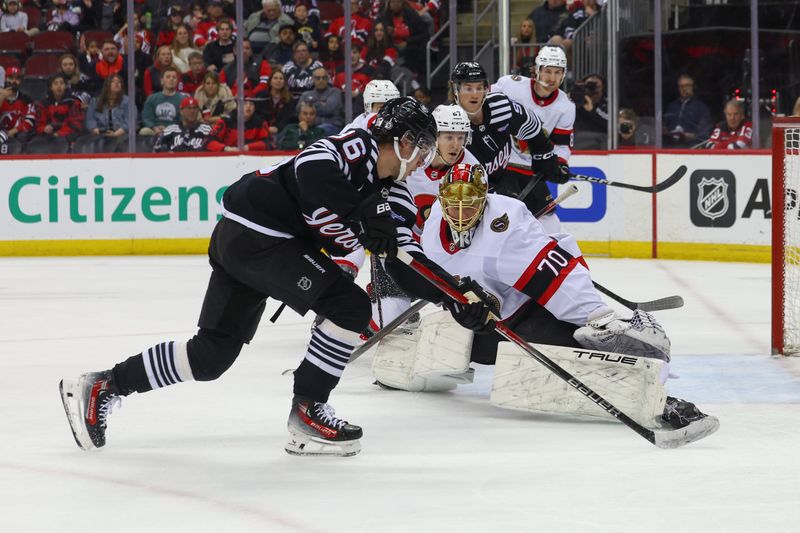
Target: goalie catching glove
[
  {"x": 641, "y": 335},
  {"x": 477, "y": 315},
  {"x": 378, "y": 230}
]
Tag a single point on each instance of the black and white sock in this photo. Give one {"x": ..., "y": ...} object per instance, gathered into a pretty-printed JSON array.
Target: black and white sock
[
  {"x": 167, "y": 363},
  {"x": 330, "y": 347}
]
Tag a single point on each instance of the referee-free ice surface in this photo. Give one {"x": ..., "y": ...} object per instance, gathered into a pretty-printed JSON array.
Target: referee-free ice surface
[{"x": 209, "y": 456}]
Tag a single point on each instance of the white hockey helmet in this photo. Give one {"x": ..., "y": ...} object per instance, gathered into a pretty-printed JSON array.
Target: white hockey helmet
[
  {"x": 379, "y": 92},
  {"x": 453, "y": 118},
  {"x": 551, "y": 55}
]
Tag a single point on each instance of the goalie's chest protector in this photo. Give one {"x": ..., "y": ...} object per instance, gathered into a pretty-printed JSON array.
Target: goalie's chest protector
[{"x": 505, "y": 242}]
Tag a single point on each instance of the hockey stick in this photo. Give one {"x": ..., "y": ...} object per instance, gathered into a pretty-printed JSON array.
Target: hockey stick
[
  {"x": 662, "y": 304},
  {"x": 669, "y": 182},
  {"x": 661, "y": 438},
  {"x": 536, "y": 178}
]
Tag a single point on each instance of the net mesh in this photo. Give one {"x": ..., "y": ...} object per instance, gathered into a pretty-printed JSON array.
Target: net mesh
[{"x": 791, "y": 240}]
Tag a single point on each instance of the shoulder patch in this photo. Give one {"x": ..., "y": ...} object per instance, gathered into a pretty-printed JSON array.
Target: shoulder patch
[
  {"x": 516, "y": 77},
  {"x": 500, "y": 224}
]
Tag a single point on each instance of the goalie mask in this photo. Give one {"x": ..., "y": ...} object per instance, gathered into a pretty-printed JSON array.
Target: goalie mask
[
  {"x": 379, "y": 92},
  {"x": 451, "y": 119},
  {"x": 406, "y": 121},
  {"x": 462, "y": 195}
]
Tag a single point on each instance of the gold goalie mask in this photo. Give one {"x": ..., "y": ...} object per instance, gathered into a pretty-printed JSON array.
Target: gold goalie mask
[{"x": 462, "y": 195}]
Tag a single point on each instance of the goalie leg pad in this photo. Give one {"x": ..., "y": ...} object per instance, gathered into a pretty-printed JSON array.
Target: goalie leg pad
[
  {"x": 432, "y": 358},
  {"x": 634, "y": 385},
  {"x": 641, "y": 335}
]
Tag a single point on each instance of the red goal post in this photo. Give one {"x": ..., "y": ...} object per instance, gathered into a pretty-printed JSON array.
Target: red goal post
[{"x": 785, "y": 236}]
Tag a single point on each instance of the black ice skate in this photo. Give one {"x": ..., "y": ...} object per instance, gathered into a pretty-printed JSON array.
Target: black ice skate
[
  {"x": 315, "y": 430},
  {"x": 88, "y": 402},
  {"x": 684, "y": 416}
]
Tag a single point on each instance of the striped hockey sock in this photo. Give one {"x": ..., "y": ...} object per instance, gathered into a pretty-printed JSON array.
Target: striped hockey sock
[
  {"x": 167, "y": 363},
  {"x": 330, "y": 347}
]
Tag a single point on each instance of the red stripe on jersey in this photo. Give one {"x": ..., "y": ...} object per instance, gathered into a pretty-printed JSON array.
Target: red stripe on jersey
[
  {"x": 447, "y": 245},
  {"x": 345, "y": 262},
  {"x": 556, "y": 283},
  {"x": 538, "y": 100},
  {"x": 559, "y": 131},
  {"x": 582, "y": 261},
  {"x": 533, "y": 267},
  {"x": 519, "y": 170}
]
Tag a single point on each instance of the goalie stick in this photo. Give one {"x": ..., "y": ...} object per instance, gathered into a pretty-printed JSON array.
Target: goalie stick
[
  {"x": 669, "y": 182},
  {"x": 661, "y": 438},
  {"x": 661, "y": 304}
]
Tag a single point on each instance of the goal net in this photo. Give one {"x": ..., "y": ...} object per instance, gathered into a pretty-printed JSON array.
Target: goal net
[{"x": 785, "y": 236}]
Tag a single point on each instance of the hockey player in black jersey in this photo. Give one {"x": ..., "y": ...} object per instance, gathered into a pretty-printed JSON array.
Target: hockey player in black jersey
[
  {"x": 340, "y": 193},
  {"x": 496, "y": 121}
]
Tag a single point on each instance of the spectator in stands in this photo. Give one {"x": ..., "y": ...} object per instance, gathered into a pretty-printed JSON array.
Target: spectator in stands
[
  {"x": 60, "y": 114},
  {"x": 196, "y": 15},
  {"x": 257, "y": 72},
  {"x": 193, "y": 79},
  {"x": 152, "y": 76},
  {"x": 215, "y": 99},
  {"x": 380, "y": 54},
  {"x": 171, "y": 25},
  {"x": 279, "y": 111},
  {"x": 298, "y": 136},
  {"x": 360, "y": 27},
  {"x": 591, "y": 113},
  {"x": 79, "y": 84},
  {"x": 224, "y": 135},
  {"x": 121, "y": 37},
  {"x": 408, "y": 32},
  {"x": 108, "y": 113},
  {"x": 523, "y": 44},
  {"x": 687, "y": 120},
  {"x": 106, "y": 15},
  {"x": 362, "y": 74},
  {"x": 262, "y": 27},
  {"x": 423, "y": 96},
  {"x": 281, "y": 52},
  {"x": 88, "y": 55},
  {"x": 190, "y": 135},
  {"x": 548, "y": 18},
  {"x": 221, "y": 51},
  {"x": 182, "y": 48},
  {"x": 331, "y": 56},
  {"x": 17, "y": 111},
  {"x": 428, "y": 12},
  {"x": 307, "y": 27},
  {"x": 299, "y": 70},
  {"x": 61, "y": 18},
  {"x": 141, "y": 62},
  {"x": 579, "y": 12},
  {"x": 289, "y": 7},
  {"x": 14, "y": 19},
  {"x": 733, "y": 133},
  {"x": 161, "y": 108},
  {"x": 111, "y": 62},
  {"x": 327, "y": 102},
  {"x": 206, "y": 30},
  {"x": 629, "y": 134}
]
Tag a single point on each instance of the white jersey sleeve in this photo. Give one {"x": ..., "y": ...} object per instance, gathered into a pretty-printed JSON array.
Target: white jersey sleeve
[{"x": 363, "y": 121}]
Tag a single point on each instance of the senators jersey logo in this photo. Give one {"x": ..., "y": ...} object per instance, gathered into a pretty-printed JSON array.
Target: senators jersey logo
[{"x": 500, "y": 224}]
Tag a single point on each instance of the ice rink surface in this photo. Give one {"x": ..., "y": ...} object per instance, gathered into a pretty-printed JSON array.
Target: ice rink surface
[{"x": 203, "y": 457}]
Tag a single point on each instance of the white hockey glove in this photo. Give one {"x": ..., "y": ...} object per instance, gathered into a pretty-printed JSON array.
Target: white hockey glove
[{"x": 641, "y": 335}]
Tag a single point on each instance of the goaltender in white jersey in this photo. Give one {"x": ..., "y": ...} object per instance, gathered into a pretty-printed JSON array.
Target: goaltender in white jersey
[{"x": 542, "y": 289}]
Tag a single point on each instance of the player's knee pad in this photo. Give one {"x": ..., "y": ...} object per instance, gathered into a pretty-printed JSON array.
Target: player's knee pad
[
  {"x": 432, "y": 358},
  {"x": 210, "y": 354},
  {"x": 641, "y": 335},
  {"x": 634, "y": 385},
  {"x": 346, "y": 305}
]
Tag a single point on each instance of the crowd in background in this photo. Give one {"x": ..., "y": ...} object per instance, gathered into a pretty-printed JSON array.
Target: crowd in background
[{"x": 64, "y": 88}]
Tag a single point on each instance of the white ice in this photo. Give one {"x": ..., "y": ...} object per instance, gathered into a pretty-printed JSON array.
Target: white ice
[{"x": 209, "y": 456}]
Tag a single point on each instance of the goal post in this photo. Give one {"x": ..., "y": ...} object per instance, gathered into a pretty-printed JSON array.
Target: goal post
[{"x": 785, "y": 236}]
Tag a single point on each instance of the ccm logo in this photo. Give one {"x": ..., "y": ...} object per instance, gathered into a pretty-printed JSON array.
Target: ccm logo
[{"x": 383, "y": 208}]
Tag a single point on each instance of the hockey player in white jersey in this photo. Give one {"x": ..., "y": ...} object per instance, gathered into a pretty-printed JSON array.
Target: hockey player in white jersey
[
  {"x": 542, "y": 290},
  {"x": 376, "y": 93},
  {"x": 540, "y": 94}
]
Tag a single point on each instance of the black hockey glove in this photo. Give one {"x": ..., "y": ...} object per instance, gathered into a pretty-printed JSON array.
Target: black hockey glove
[
  {"x": 475, "y": 315},
  {"x": 563, "y": 174},
  {"x": 378, "y": 230},
  {"x": 545, "y": 162}
]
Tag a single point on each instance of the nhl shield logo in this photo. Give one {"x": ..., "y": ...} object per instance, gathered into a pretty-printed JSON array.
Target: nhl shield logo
[
  {"x": 304, "y": 283},
  {"x": 713, "y": 198}
]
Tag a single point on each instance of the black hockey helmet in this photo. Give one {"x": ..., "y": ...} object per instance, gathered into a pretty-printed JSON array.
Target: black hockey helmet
[
  {"x": 468, "y": 71},
  {"x": 405, "y": 117}
]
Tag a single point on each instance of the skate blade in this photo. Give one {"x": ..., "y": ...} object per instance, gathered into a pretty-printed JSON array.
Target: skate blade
[
  {"x": 305, "y": 445},
  {"x": 695, "y": 431},
  {"x": 73, "y": 407}
]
